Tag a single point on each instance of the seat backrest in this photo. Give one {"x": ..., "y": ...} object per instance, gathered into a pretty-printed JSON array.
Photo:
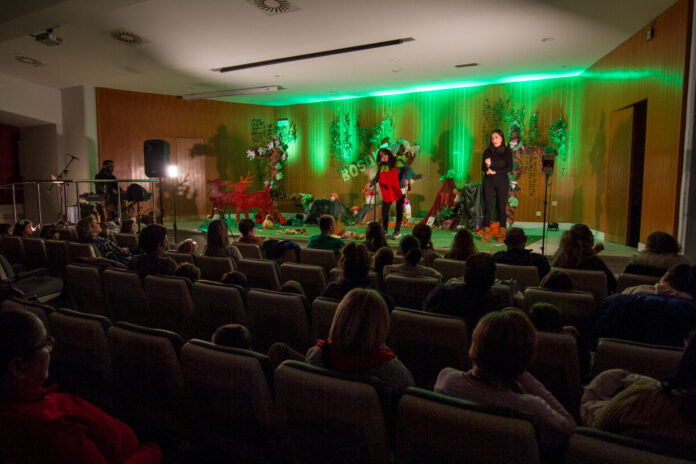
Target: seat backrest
[
  {"x": 86, "y": 290},
  {"x": 656, "y": 361},
  {"x": 588, "y": 281},
  {"x": 147, "y": 379},
  {"x": 249, "y": 250},
  {"x": 556, "y": 365},
  {"x": 81, "y": 250},
  {"x": 125, "y": 294},
  {"x": 323, "y": 311},
  {"x": 576, "y": 307},
  {"x": 436, "y": 428},
  {"x": 336, "y": 273},
  {"x": 67, "y": 234},
  {"x": 213, "y": 267},
  {"x": 227, "y": 394},
  {"x": 12, "y": 248},
  {"x": 261, "y": 273},
  {"x": 216, "y": 305},
  {"x": 170, "y": 306},
  {"x": 312, "y": 278},
  {"x": 35, "y": 253},
  {"x": 409, "y": 292},
  {"x": 41, "y": 311},
  {"x": 80, "y": 362},
  {"x": 449, "y": 268},
  {"x": 326, "y": 418},
  {"x": 277, "y": 317},
  {"x": 129, "y": 241},
  {"x": 597, "y": 447},
  {"x": 427, "y": 343},
  {"x": 631, "y": 280},
  {"x": 503, "y": 293},
  {"x": 58, "y": 256},
  {"x": 526, "y": 276},
  {"x": 180, "y": 257},
  {"x": 324, "y": 258}
]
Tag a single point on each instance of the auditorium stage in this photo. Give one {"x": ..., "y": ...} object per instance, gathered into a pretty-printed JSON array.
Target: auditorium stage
[{"x": 615, "y": 256}]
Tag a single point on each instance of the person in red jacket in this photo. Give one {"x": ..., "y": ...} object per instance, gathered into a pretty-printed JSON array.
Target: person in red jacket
[
  {"x": 389, "y": 178},
  {"x": 39, "y": 425}
]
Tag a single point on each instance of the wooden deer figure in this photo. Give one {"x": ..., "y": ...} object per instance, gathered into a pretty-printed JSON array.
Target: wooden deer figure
[
  {"x": 218, "y": 198},
  {"x": 243, "y": 202}
]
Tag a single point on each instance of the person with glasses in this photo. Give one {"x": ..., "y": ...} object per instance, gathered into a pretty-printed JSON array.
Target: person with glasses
[{"x": 40, "y": 425}]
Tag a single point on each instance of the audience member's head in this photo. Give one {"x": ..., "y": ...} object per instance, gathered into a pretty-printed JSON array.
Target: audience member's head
[
  {"x": 546, "y": 317},
  {"x": 188, "y": 270},
  {"x": 423, "y": 233},
  {"x": 186, "y": 246},
  {"x": 479, "y": 271},
  {"x": 5, "y": 229},
  {"x": 662, "y": 243},
  {"x": 361, "y": 323},
  {"x": 327, "y": 224},
  {"x": 49, "y": 232},
  {"x": 236, "y": 278},
  {"x": 682, "y": 278},
  {"x": 217, "y": 238},
  {"x": 153, "y": 240},
  {"x": 502, "y": 346},
  {"x": 104, "y": 230},
  {"x": 233, "y": 335},
  {"x": 410, "y": 248},
  {"x": 576, "y": 245},
  {"x": 463, "y": 245},
  {"x": 128, "y": 226},
  {"x": 383, "y": 257},
  {"x": 86, "y": 228},
  {"x": 246, "y": 227},
  {"x": 23, "y": 228},
  {"x": 375, "y": 238},
  {"x": 515, "y": 239},
  {"x": 292, "y": 286},
  {"x": 557, "y": 279},
  {"x": 355, "y": 263}
]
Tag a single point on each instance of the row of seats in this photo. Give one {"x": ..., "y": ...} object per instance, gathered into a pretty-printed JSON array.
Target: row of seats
[{"x": 232, "y": 400}]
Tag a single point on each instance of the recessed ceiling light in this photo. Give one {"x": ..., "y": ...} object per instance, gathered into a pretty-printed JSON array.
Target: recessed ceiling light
[
  {"x": 28, "y": 60},
  {"x": 397, "y": 69},
  {"x": 547, "y": 39},
  {"x": 394, "y": 60},
  {"x": 278, "y": 75}
]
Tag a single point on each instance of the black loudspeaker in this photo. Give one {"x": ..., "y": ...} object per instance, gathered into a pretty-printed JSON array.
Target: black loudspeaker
[{"x": 156, "y": 158}]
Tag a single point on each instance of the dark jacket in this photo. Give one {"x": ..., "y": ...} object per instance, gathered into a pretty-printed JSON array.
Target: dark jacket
[
  {"x": 462, "y": 301},
  {"x": 517, "y": 257},
  {"x": 501, "y": 161}
]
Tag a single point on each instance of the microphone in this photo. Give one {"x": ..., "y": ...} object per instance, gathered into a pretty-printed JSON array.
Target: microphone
[{"x": 74, "y": 157}]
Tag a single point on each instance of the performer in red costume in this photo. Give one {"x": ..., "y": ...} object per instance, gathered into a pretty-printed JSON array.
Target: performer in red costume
[{"x": 389, "y": 178}]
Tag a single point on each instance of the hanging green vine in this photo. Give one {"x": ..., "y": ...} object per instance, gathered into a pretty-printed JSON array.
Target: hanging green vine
[
  {"x": 558, "y": 138},
  {"x": 533, "y": 130},
  {"x": 270, "y": 151},
  {"x": 350, "y": 142}
]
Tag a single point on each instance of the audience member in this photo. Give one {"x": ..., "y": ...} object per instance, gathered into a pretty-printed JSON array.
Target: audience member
[
  {"x": 5, "y": 229},
  {"x": 49, "y": 232},
  {"x": 293, "y": 286},
  {"x": 577, "y": 250},
  {"x": 152, "y": 242},
  {"x": 324, "y": 241},
  {"x": 501, "y": 350},
  {"x": 235, "y": 278},
  {"x": 557, "y": 279},
  {"x": 188, "y": 270},
  {"x": 662, "y": 252},
  {"x": 410, "y": 248},
  {"x": 424, "y": 233},
  {"x": 233, "y": 335},
  {"x": 128, "y": 226},
  {"x": 247, "y": 228},
  {"x": 218, "y": 241},
  {"x": 471, "y": 300},
  {"x": 547, "y": 318},
  {"x": 679, "y": 282},
  {"x": 517, "y": 255},
  {"x": 89, "y": 231},
  {"x": 23, "y": 228},
  {"x": 39, "y": 425},
  {"x": 375, "y": 238},
  {"x": 382, "y": 258},
  {"x": 643, "y": 408},
  {"x": 187, "y": 246},
  {"x": 463, "y": 246}
]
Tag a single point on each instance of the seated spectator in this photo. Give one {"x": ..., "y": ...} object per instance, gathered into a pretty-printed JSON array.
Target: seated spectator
[
  {"x": 247, "y": 228},
  {"x": 463, "y": 246},
  {"x": 375, "y": 238},
  {"x": 517, "y": 255},
  {"x": 424, "y": 233},
  {"x": 89, "y": 231},
  {"x": 471, "y": 300},
  {"x": 501, "y": 350},
  {"x": 640, "y": 407},
  {"x": 383, "y": 257},
  {"x": 49, "y": 232},
  {"x": 355, "y": 267},
  {"x": 662, "y": 252},
  {"x": 5, "y": 229},
  {"x": 235, "y": 278},
  {"x": 678, "y": 282},
  {"x": 152, "y": 242},
  {"x": 293, "y": 286},
  {"x": 188, "y": 270},
  {"x": 187, "y": 246},
  {"x": 39, "y": 425},
  {"x": 410, "y": 249},
  {"x": 128, "y": 226},
  {"x": 324, "y": 241},
  {"x": 356, "y": 342},
  {"x": 577, "y": 250},
  {"x": 233, "y": 335},
  {"x": 23, "y": 228},
  {"x": 218, "y": 242},
  {"x": 557, "y": 279}
]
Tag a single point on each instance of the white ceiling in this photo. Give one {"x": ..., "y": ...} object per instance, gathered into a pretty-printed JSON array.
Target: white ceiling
[{"x": 186, "y": 39}]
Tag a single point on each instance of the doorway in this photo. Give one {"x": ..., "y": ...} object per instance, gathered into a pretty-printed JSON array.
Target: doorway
[{"x": 635, "y": 191}]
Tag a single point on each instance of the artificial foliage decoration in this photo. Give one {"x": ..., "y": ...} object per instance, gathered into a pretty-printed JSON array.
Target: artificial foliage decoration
[
  {"x": 558, "y": 137},
  {"x": 451, "y": 173},
  {"x": 270, "y": 151},
  {"x": 351, "y": 143},
  {"x": 533, "y": 130},
  {"x": 344, "y": 134},
  {"x": 443, "y": 214}
]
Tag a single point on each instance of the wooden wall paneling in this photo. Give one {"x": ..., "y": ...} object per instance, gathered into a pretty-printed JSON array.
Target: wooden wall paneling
[{"x": 618, "y": 168}]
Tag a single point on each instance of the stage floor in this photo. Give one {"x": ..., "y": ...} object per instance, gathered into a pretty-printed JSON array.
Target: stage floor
[{"x": 616, "y": 256}]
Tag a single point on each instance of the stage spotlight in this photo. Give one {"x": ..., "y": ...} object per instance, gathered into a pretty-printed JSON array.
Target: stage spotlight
[{"x": 172, "y": 170}]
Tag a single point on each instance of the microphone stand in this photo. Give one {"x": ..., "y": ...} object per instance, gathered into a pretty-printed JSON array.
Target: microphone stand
[{"x": 63, "y": 195}]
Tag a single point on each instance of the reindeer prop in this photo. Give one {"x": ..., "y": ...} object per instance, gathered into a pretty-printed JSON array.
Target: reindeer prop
[{"x": 236, "y": 197}]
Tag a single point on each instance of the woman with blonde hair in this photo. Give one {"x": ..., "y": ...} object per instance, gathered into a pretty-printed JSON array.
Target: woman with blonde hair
[{"x": 218, "y": 242}]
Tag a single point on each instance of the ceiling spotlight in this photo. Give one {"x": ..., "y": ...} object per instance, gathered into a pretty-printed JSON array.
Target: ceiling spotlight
[
  {"x": 28, "y": 60},
  {"x": 48, "y": 38}
]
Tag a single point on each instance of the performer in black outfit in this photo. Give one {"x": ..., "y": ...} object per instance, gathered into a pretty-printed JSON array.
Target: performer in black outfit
[{"x": 496, "y": 164}]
